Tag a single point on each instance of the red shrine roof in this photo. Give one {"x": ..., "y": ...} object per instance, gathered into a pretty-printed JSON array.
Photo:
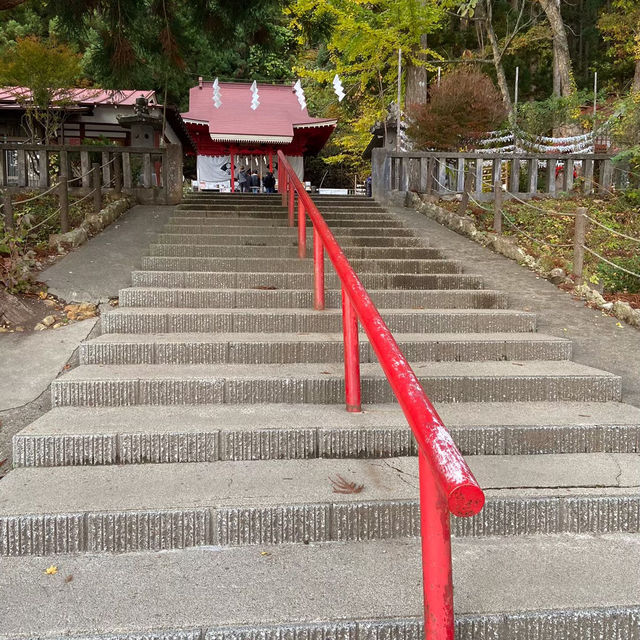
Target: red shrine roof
[
  {"x": 278, "y": 120},
  {"x": 82, "y": 97}
]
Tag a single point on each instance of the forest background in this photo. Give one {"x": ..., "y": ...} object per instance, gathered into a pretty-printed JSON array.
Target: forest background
[{"x": 165, "y": 45}]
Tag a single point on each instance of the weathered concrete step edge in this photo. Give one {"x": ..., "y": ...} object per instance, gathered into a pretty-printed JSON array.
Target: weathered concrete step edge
[
  {"x": 292, "y": 298},
  {"x": 174, "y": 390},
  {"x": 621, "y": 623},
  {"x": 157, "y": 530},
  {"x": 277, "y": 348},
  {"x": 257, "y": 240},
  {"x": 225, "y": 251},
  {"x": 295, "y": 265},
  {"x": 222, "y": 280},
  {"x": 133, "y": 445},
  {"x": 158, "y": 320},
  {"x": 208, "y": 590}
]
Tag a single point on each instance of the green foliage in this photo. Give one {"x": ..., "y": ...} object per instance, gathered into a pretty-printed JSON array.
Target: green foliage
[
  {"x": 620, "y": 27},
  {"x": 359, "y": 41},
  {"x": 463, "y": 108},
  {"x": 614, "y": 279},
  {"x": 48, "y": 69},
  {"x": 541, "y": 117}
]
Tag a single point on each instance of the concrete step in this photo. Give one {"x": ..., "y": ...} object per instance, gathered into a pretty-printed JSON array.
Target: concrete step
[
  {"x": 360, "y": 221},
  {"x": 244, "y": 593},
  {"x": 323, "y": 383},
  {"x": 353, "y": 253},
  {"x": 140, "y": 320},
  {"x": 293, "y": 265},
  {"x": 288, "y": 281},
  {"x": 343, "y": 230},
  {"x": 290, "y": 298},
  {"x": 70, "y": 436},
  {"x": 261, "y": 348},
  {"x": 285, "y": 238},
  {"x": 156, "y": 507}
]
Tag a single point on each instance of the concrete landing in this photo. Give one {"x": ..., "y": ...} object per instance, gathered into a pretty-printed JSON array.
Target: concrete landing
[
  {"x": 209, "y": 589},
  {"x": 98, "y": 269}
]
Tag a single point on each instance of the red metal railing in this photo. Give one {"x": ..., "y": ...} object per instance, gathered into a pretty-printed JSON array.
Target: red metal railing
[{"x": 446, "y": 482}]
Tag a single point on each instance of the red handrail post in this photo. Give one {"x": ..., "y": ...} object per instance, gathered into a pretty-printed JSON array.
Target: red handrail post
[
  {"x": 351, "y": 355},
  {"x": 318, "y": 271},
  {"x": 292, "y": 203},
  {"x": 283, "y": 180},
  {"x": 435, "y": 529},
  {"x": 302, "y": 230}
]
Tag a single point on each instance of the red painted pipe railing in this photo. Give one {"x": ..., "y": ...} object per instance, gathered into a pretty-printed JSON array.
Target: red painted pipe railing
[{"x": 446, "y": 482}]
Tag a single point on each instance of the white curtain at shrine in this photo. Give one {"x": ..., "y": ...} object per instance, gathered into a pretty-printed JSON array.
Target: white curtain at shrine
[
  {"x": 214, "y": 172},
  {"x": 297, "y": 164}
]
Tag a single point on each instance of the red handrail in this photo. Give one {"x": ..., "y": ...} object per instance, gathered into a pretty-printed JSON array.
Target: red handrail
[{"x": 446, "y": 482}]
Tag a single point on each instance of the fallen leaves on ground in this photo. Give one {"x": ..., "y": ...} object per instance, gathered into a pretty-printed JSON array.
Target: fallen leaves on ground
[
  {"x": 52, "y": 570},
  {"x": 340, "y": 485}
]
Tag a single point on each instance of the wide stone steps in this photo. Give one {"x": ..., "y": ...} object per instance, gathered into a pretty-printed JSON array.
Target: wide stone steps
[
  {"x": 271, "y": 280},
  {"x": 265, "y": 321},
  {"x": 353, "y": 253},
  {"x": 338, "y": 220},
  {"x": 69, "y": 436},
  {"x": 151, "y": 507},
  {"x": 197, "y": 298},
  {"x": 257, "y": 348},
  {"x": 355, "y": 230},
  {"x": 359, "y": 590},
  {"x": 322, "y": 383},
  {"x": 195, "y": 235},
  {"x": 295, "y": 265}
]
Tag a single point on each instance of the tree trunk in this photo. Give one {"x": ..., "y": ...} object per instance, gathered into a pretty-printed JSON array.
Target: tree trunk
[
  {"x": 10, "y": 4},
  {"x": 415, "y": 92},
  {"x": 562, "y": 60},
  {"x": 497, "y": 60}
]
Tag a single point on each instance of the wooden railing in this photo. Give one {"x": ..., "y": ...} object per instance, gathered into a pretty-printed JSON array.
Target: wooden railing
[
  {"x": 527, "y": 175},
  {"x": 153, "y": 175}
]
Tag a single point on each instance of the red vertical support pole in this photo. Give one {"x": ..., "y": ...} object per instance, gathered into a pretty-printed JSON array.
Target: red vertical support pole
[
  {"x": 435, "y": 530},
  {"x": 351, "y": 355},
  {"x": 233, "y": 187},
  {"x": 302, "y": 230},
  {"x": 282, "y": 184},
  {"x": 318, "y": 272},
  {"x": 291, "y": 203},
  {"x": 271, "y": 160}
]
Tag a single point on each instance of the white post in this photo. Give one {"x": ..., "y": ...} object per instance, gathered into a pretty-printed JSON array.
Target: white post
[
  {"x": 515, "y": 94},
  {"x": 399, "y": 98},
  {"x": 439, "y": 72}
]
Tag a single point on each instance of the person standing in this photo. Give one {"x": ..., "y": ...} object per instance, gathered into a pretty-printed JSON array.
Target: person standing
[
  {"x": 243, "y": 183},
  {"x": 255, "y": 182},
  {"x": 269, "y": 183}
]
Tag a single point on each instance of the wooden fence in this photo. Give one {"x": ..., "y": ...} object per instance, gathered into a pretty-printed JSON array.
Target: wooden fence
[
  {"x": 524, "y": 175},
  {"x": 152, "y": 175}
]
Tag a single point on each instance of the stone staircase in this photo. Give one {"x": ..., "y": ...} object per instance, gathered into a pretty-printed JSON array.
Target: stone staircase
[{"x": 184, "y": 484}]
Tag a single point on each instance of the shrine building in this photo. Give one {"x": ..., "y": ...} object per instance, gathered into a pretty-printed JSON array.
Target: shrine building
[{"x": 235, "y": 135}]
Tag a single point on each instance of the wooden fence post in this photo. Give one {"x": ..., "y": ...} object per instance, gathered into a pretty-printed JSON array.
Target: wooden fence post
[
  {"x": 8, "y": 211},
  {"x": 43, "y": 167},
  {"x": 85, "y": 167},
  {"x": 579, "y": 238},
  {"x": 497, "y": 205},
  {"x": 97, "y": 187},
  {"x": 63, "y": 191},
  {"x": 117, "y": 173},
  {"x": 466, "y": 189},
  {"x": 430, "y": 165}
]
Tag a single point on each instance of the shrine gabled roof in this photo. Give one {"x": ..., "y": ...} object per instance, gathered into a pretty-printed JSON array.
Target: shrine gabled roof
[
  {"x": 82, "y": 96},
  {"x": 273, "y": 122}
]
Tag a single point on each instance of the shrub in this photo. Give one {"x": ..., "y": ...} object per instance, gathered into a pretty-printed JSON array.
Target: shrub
[{"x": 462, "y": 109}]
